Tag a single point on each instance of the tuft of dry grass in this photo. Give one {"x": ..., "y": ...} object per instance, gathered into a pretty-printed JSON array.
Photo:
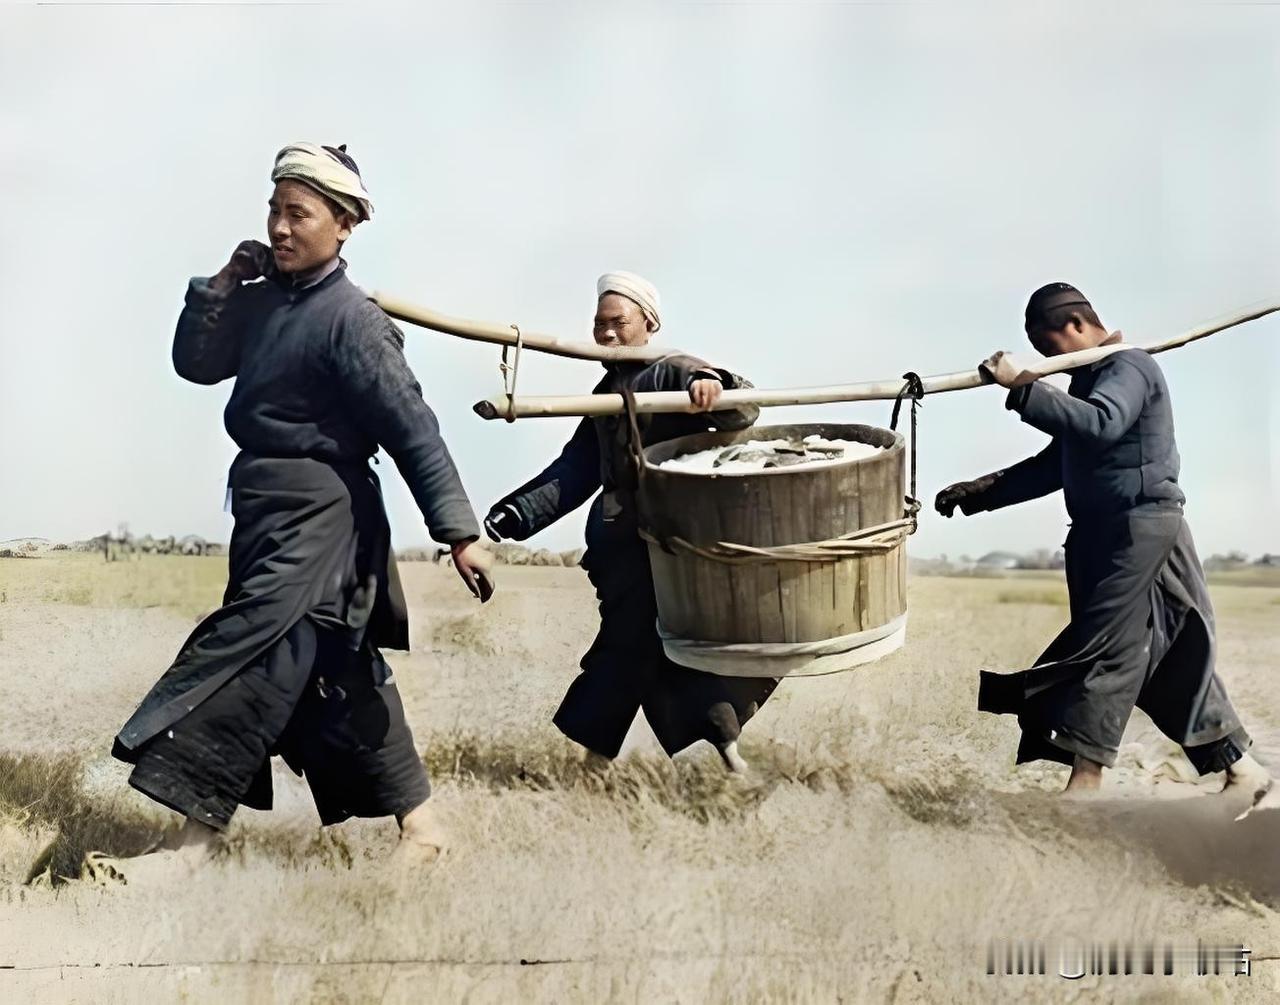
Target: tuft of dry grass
[
  {"x": 696, "y": 788},
  {"x": 466, "y": 632},
  {"x": 46, "y": 792},
  {"x": 955, "y": 802}
]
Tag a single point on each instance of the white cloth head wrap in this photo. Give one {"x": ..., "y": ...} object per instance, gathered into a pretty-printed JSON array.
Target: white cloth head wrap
[
  {"x": 634, "y": 288},
  {"x": 327, "y": 173}
]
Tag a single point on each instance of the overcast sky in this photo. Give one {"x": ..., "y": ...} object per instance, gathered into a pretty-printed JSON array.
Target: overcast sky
[{"x": 822, "y": 192}]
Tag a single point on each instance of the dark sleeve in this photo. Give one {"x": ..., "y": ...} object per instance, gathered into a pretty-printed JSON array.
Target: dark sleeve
[
  {"x": 383, "y": 396},
  {"x": 206, "y": 345},
  {"x": 1101, "y": 419},
  {"x": 566, "y": 483},
  {"x": 677, "y": 372},
  {"x": 1030, "y": 479}
]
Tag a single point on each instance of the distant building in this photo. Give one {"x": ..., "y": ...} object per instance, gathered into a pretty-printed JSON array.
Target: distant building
[{"x": 999, "y": 560}]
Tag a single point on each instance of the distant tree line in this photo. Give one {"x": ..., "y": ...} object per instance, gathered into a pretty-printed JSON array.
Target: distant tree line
[
  {"x": 1044, "y": 559},
  {"x": 1238, "y": 560},
  {"x": 506, "y": 553}
]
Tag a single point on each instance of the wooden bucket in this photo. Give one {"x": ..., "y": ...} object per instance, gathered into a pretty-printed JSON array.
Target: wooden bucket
[{"x": 741, "y": 613}]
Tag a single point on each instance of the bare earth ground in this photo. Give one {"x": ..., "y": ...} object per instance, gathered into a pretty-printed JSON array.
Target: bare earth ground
[{"x": 884, "y": 838}]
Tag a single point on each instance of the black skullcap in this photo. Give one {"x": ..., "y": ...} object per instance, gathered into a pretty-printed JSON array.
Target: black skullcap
[
  {"x": 340, "y": 153},
  {"x": 1049, "y": 298}
]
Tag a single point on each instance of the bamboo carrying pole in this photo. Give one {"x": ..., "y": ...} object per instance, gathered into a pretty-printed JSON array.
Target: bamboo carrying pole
[
  {"x": 498, "y": 334},
  {"x": 501, "y": 406}
]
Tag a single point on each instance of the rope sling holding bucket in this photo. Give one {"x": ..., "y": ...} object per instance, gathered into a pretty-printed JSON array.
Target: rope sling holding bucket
[{"x": 804, "y": 658}]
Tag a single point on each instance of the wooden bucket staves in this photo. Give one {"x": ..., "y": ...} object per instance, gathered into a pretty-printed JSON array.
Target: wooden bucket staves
[{"x": 790, "y": 570}]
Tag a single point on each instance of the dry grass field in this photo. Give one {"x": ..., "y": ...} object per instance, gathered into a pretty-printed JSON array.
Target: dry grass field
[{"x": 883, "y": 838}]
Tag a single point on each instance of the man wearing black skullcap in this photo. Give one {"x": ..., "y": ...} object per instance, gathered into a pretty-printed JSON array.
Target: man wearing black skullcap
[
  {"x": 1142, "y": 628},
  {"x": 290, "y": 664}
]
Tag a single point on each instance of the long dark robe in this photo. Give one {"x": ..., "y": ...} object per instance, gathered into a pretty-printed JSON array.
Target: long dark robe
[
  {"x": 1141, "y": 635},
  {"x": 321, "y": 382},
  {"x": 1142, "y": 627},
  {"x": 311, "y": 541},
  {"x": 626, "y": 669}
]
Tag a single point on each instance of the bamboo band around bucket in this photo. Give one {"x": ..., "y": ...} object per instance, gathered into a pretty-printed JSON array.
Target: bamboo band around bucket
[{"x": 787, "y": 659}]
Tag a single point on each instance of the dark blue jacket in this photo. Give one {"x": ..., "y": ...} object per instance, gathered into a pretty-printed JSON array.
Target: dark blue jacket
[
  {"x": 320, "y": 372},
  {"x": 597, "y": 455},
  {"x": 1113, "y": 447}
]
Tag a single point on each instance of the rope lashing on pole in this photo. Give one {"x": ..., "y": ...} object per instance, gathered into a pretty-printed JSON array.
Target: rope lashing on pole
[{"x": 510, "y": 371}]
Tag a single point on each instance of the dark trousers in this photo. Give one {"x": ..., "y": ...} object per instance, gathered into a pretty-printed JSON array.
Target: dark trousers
[
  {"x": 626, "y": 671},
  {"x": 1141, "y": 635}
]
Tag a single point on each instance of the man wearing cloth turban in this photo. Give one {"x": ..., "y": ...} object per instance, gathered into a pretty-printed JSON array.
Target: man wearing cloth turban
[
  {"x": 626, "y": 669},
  {"x": 1142, "y": 626},
  {"x": 291, "y": 664},
  {"x": 639, "y": 291}
]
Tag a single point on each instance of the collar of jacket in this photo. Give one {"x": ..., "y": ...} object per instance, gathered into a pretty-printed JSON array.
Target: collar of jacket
[{"x": 289, "y": 286}]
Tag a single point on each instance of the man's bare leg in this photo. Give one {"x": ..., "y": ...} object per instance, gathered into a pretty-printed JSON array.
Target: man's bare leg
[
  {"x": 733, "y": 759},
  {"x": 195, "y": 840},
  {"x": 724, "y": 717},
  {"x": 1086, "y": 776},
  {"x": 422, "y": 839}
]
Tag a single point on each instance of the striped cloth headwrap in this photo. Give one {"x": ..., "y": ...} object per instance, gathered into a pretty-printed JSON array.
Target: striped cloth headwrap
[{"x": 330, "y": 171}]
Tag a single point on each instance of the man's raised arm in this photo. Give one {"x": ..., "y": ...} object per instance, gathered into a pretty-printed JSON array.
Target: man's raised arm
[{"x": 206, "y": 345}]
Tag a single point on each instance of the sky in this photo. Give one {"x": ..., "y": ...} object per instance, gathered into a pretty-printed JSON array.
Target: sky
[{"x": 826, "y": 192}]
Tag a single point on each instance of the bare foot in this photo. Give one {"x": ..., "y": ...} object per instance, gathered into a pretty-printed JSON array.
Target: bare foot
[
  {"x": 157, "y": 868},
  {"x": 176, "y": 859},
  {"x": 1248, "y": 778},
  {"x": 1267, "y": 799},
  {"x": 1086, "y": 777},
  {"x": 99, "y": 869},
  {"x": 733, "y": 760},
  {"x": 1247, "y": 774},
  {"x": 422, "y": 839}
]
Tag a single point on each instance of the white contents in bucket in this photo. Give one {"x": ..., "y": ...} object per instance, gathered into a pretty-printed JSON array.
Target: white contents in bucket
[{"x": 759, "y": 455}]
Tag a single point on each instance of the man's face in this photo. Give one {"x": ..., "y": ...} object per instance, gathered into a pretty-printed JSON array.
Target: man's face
[
  {"x": 1056, "y": 341},
  {"x": 303, "y": 230},
  {"x": 620, "y": 322}
]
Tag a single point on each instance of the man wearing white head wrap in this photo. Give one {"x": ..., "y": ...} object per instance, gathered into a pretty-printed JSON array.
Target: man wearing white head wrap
[
  {"x": 626, "y": 670},
  {"x": 636, "y": 289},
  {"x": 331, "y": 171},
  {"x": 291, "y": 664}
]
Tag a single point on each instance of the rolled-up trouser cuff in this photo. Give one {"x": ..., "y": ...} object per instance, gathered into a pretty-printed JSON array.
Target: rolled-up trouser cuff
[
  {"x": 213, "y": 810},
  {"x": 1208, "y": 758},
  {"x": 1080, "y": 747},
  {"x": 1001, "y": 693}
]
